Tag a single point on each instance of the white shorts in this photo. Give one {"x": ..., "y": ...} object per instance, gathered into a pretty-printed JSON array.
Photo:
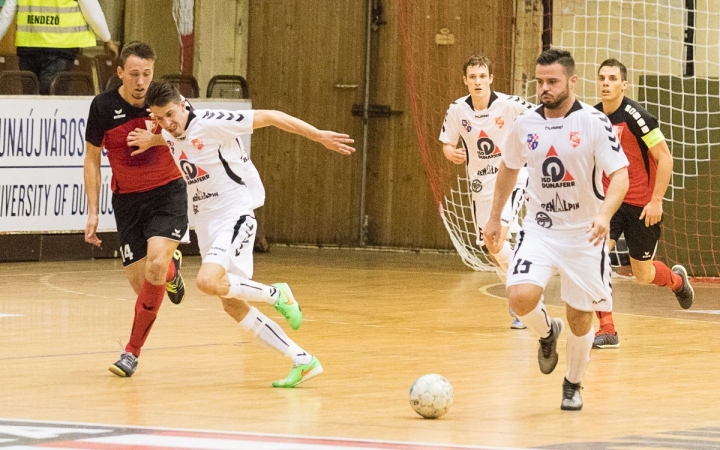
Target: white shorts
[
  {"x": 228, "y": 241},
  {"x": 509, "y": 216},
  {"x": 584, "y": 269}
]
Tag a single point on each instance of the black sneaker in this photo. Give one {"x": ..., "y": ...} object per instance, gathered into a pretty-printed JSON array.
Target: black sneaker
[
  {"x": 175, "y": 288},
  {"x": 125, "y": 366},
  {"x": 572, "y": 401},
  {"x": 686, "y": 293},
  {"x": 547, "y": 353},
  {"x": 606, "y": 340}
]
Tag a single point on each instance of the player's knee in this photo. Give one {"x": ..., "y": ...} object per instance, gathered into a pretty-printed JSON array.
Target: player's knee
[
  {"x": 206, "y": 284},
  {"x": 644, "y": 277}
]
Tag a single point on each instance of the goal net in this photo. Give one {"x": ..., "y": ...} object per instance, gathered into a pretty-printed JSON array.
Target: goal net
[{"x": 672, "y": 51}]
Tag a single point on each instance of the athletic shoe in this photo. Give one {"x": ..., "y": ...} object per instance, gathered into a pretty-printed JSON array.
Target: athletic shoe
[
  {"x": 125, "y": 366},
  {"x": 300, "y": 374},
  {"x": 517, "y": 324},
  {"x": 686, "y": 293},
  {"x": 572, "y": 401},
  {"x": 547, "y": 353},
  {"x": 606, "y": 340},
  {"x": 287, "y": 306},
  {"x": 175, "y": 288}
]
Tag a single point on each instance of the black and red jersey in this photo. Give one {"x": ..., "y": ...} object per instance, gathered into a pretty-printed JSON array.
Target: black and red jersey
[
  {"x": 110, "y": 121},
  {"x": 638, "y": 131}
]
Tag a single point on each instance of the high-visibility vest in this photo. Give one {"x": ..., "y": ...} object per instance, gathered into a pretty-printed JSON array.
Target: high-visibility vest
[{"x": 52, "y": 24}]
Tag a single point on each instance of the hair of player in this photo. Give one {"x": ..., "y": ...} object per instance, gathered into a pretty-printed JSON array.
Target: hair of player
[
  {"x": 478, "y": 61},
  {"x": 138, "y": 49},
  {"x": 162, "y": 93},
  {"x": 612, "y": 62},
  {"x": 562, "y": 57}
]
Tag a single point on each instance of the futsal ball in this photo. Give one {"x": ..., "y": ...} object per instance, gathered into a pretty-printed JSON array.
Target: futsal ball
[{"x": 431, "y": 396}]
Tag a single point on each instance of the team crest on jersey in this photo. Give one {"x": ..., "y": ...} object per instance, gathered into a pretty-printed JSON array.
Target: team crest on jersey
[
  {"x": 197, "y": 143},
  {"x": 554, "y": 173},
  {"x": 192, "y": 173},
  {"x": 466, "y": 125},
  {"x": 171, "y": 146},
  {"x": 499, "y": 122},
  {"x": 574, "y": 138},
  {"x": 618, "y": 129},
  {"x": 486, "y": 147},
  {"x": 532, "y": 141}
]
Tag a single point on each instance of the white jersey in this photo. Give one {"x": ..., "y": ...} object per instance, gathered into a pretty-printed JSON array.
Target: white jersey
[
  {"x": 221, "y": 178},
  {"x": 566, "y": 158},
  {"x": 481, "y": 133}
]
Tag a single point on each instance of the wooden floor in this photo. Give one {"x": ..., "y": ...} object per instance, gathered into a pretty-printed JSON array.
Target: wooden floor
[{"x": 377, "y": 321}]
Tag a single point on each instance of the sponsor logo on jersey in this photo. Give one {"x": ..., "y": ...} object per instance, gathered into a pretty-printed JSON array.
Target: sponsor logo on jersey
[
  {"x": 118, "y": 114},
  {"x": 197, "y": 143},
  {"x": 499, "y": 122},
  {"x": 466, "y": 124},
  {"x": 488, "y": 170},
  {"x": 201, "y": 195},
  {"x": 618, "y": 129},
  {"x": 559, "y": 205},
  {"x": 553, "y": 127},
  {"x": 554, "y": 173},
  {"x": 574, "y": 138},
  {"x": 543, "y": 220},
  {"x": 192, "y": 173},
  {"x": 476, "y": 185},
  {"x": 532, "y": 141},
  {"x": 486, "y": 147},
  {"x": 482, "y": 116}
]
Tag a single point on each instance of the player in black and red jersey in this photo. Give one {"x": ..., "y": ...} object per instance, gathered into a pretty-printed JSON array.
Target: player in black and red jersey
[
  {"x": 640, "y": 215},
  {"x": 149, "y": 194}
]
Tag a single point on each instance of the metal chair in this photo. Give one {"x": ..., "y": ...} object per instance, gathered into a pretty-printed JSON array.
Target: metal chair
[
  {"x": 228, "y": 86},
  {"x": 19, "y": 82},
  {"x": 186, "y": 84},
  {"x": 72, "y": 83}
]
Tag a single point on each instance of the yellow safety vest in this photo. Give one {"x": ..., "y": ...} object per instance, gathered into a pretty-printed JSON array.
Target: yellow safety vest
[{"x": 52, "y": 24}]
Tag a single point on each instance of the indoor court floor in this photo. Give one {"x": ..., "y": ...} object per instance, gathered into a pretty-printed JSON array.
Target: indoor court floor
[{"x": 377, "y": 320}]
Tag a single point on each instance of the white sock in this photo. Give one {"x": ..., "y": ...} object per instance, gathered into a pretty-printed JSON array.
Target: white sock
[
  {"x": 578, "y": 355},
  {"x": 273, "y": 335},
  {"x": 503, "y": 258},
  {"x": 538, "y": 320},
  {"x": 250, "y": 290}
]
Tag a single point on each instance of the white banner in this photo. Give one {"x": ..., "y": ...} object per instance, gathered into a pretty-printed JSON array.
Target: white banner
[{"x": 42, "y": 149}]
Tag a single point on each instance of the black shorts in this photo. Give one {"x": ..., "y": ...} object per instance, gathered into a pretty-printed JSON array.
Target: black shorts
[
  {"x": 160, "y": 212},
  {"x": 641, "y": 240}
]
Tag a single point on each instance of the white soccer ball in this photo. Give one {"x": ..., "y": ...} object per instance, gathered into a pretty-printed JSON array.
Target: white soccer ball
[{"x": 431, "y": 396}]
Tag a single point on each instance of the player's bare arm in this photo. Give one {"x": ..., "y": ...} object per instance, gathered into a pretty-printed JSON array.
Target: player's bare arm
[
  {"x": 652, "y": 213},
  {"x": 91, "y": 173},
  {"x": 143, "y": 140},
  {"x": 600, "y": 228},
  {"x": 337, "y": 142},
  {"x": 454, "y": 154},
  {"x": 492, "y": 232}
]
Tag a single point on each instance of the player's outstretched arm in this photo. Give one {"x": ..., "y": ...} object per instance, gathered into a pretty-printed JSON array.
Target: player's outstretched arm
[
  {"x": 144, "y": 140},
  {"x": 454, "y": 154},
  {"x": 652, "y": 212},
  {"x": 337, "y": 142},
  {"x": 600, "y": 227},
  {"x": 91, "y": 174},
  {"x": 506, "y": 180}
]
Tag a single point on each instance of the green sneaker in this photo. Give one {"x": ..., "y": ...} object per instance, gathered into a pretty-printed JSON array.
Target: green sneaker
[
  {"x": 287, "y": 306},
  {"x": 300, "y": 374}
]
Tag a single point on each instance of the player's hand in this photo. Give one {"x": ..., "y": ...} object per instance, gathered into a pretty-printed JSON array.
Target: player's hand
[
  {"x": 491, "y": 233},
  {"x": 455, "y": 155},
  {"x": 599, "y": 230},
  {"x": 111, "y": 47},
  {"x": 336, "y": 142},
  {"x": 652, "y": 213},
  {"x": 140, "y": 138},
  {"x": 91, "y": 230}
]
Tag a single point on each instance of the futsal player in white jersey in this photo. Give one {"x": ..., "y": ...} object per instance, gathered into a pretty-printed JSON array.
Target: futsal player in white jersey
[
  {"x": 225, "y": 188},
  {"x": 480, "y": 121},
  {"x": 567, "y": 146}
]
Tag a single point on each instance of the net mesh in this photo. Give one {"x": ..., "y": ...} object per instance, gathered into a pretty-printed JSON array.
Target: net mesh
[{"x": 671, "y": 49}]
